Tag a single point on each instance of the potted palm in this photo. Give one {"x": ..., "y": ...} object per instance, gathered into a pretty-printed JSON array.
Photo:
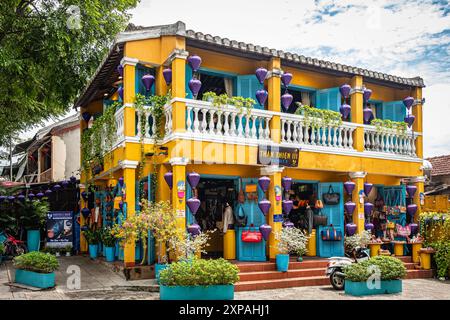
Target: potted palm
[
  {"x": 92, "y": 237},
  {"x": 36, "y": 269},
  {"x": 109, "y": 243},
  {"x": 33, "y": 218},
  {"x": 289, "y": 240}
]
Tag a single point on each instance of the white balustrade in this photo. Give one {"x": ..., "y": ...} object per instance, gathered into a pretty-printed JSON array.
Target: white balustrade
[
  {"x": 389, "y": 141},
  {"x": 120, "y": 124}
]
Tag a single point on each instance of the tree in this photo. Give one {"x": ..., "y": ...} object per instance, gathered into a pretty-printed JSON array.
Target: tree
[{"x": 48, "y": 50}]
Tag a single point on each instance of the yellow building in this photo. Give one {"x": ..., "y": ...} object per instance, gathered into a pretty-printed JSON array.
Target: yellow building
[{"x": 232, "y": 147}]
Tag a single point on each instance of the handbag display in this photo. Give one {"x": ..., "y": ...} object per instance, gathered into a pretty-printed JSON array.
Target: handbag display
[
  {"x": 403, "y": 231},
  {"x": 331, "y": 234},
  {"x": 318, "y": 204},
  {"x": 251, "y": 236},
  {"x": 331, "y": 197},
  {"x": 320, "y": 220},
  {"x": 240, "y": 218}
]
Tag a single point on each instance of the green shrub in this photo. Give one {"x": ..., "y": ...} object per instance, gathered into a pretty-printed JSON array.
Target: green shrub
[
  {"x": 92, "y": 236},
  {"x": 391, "y": 269},
  {"x": 442, "y": 257},
  {"x": 200, "y": 272},
  {"x": 37, "y": 262},
  {"x": 2, "y": 248},
  {"x": 108, "y": 238}
]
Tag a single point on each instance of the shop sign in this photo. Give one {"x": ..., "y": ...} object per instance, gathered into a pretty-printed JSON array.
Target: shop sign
[
  {"x": 59, "y": 229},
  {"x": 281, "y": 156}
]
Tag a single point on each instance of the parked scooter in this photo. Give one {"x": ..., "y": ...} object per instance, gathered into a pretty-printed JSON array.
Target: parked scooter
[{"x": 335, "y": 268}]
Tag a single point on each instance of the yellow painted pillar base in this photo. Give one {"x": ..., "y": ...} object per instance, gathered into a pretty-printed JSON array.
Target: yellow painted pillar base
[
  {"x": 311, "y": 245},
  {"x": 374, "y": 249},
  {"x": 415, "y": 252},
  {"x": 398, "y": 248},
  {"x": 229, "y": 245},
  {"x": 425, "y": 260}
]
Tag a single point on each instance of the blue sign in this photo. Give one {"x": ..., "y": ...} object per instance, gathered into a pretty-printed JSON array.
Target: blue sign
[
  {"x": 59, "y": 228},
  {"x": 277, "y": 218}
]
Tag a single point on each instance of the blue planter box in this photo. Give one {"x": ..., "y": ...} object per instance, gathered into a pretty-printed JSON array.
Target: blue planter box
[
  {"x": 93, "y": 251},
  {"x": 109, "y": 254},
  {"x": 217, "y": 292},
  {"x": 282, "y": 261},
  {"x": 33, "y": 240},
  {"x": 361, "y": 289},
  {"x": 34, "y": 279},
  {"x": 158, "y": 268}
]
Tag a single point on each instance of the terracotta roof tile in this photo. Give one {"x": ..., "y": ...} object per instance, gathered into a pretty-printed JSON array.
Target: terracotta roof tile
[{"x": 441, "y": 165}]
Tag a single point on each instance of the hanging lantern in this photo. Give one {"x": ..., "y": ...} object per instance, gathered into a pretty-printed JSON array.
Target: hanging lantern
[
  {"x": 286, "y": 183},
  {"x": 350, "y": 207},
  {"x": 411, "y": 190},
  {"x": 409, "y": 119},
  {"x": 411, "y": 209},
  {"x": 48, "y": 192},
  {"x": 286, "y": 79},
  {"x": 84, "y": 195},
  {"x": 414, "y": 228},
  {"x": 369, "y": 226},
  {"x": 120, "y": 91},
  {"x": 86, "y": 116},
  {"x": 120, "y": 70},
  {"x": 366, "y": 95},
  {"x": 64, "y": 183},
  {"x": 367, "y": 188},
  {"x": 31, "y": 195},
  {"x": 39, "y": 195},
  {"x": 21, "y": 197},
  {"x": 2, "y": 199},
  {"x": 73, "y": 179},
  {"x": 264, "y": 205},
  {"x": 121, "y": 180},
  {"x": 261, "y": 74},
  {"x": 287, "y": 206},
  {"x": 193, "y": 204},
  {"x": 349, "y": 186},
  {"x": 85, "y": 212},
  {"x": 167, "y": 74},
  {"x": 168, "y": 177},
  {"x": 265, "y": 230},
  {"x": 408, "y": 102},
  {"x": 261, "y": 96},
  {"x": 194, "y": 86},
  {"x": 148, "y": 80},
  {"x": 367, "y": 115},
  {"x": 56, "y": 187},
  {"x": 368, "y": 207},
  {"x": 345, "y": 110},
  {"x": 350, "y": 229},
  {"x": 288, "y": 224},
  {"x": 264, "y": 183},
  {"x": 194, "y": 229},
  {"x": 345, "y": 90},
  {"x": 194, "y": 61},
  {"x": 11, "y": 199},
  {"x": 286, "y": 100},
  {"x": 193, "y": 179}
]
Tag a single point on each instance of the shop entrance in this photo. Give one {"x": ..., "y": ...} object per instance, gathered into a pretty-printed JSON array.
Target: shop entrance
[
  {"x": 303, "y": 196},
  {"x": 217, "y": 196}
]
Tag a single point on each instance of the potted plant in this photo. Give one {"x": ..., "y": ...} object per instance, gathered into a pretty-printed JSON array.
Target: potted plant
[
  {"x": 36, "y": 269},
  {"x": 378, "y": 275},
  {"x": 33, "y": 219},
  {"x": 92, "y": 238},
  {"x": 290, "y": 240},
  {"x": 199, "y": 279},
  {"x": 109, "y": 243},
  {"x": 68, "y": 250}
]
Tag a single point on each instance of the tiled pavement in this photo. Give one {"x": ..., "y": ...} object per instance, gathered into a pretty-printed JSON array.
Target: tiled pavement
[{"x": 98, "y": 281}]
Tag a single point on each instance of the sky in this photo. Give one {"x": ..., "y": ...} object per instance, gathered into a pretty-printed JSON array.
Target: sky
[{"x": 402, "y": 37}]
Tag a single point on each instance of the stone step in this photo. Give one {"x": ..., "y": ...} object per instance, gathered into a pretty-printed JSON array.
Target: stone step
[
  {"x": 271, "y": 266},
  {"x": 281, "y": 283},
  {"x": 269, "y": 275}
]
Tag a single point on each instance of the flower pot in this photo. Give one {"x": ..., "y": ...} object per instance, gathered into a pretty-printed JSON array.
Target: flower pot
[
  {"x": 215, "y": 292},
  {"x": 158, "y": 268},
  {"x": 362, "y": 289},
  {"x": 93, "y": 251},
  {"x": 299, "y": 259},
  {"x": 33, "y": 240},
  {"x": 57, "y": 254},
  {"x": 282, "y": 261},
  {"x": 67, "y": 254},
  {"x": 34, "y": 279},
  {"x": 109, "y": 254}
]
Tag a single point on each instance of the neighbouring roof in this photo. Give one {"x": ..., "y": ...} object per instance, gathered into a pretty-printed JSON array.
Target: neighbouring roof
[
  {"x": 106, "y": 73},
  {"x": 441, "y": 165}
]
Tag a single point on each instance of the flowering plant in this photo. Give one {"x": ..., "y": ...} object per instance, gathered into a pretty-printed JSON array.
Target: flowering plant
[
  {"x": 291, "y": 240},
  {"x": 184, "y": 244},
  {"x": 357, "y": 240}
]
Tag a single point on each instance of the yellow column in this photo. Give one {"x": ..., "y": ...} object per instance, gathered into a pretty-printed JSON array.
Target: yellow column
[
  {"x": 418, "y": 122},
  {"x": 274, "y": 98},
  {"x": 129, "y": 95},
  {"x": 358, "y": 214},
  {"x": 83, "y": 242},
  {"x": 129, "y": 177},
  {"x": 357, "y": 112},
  {"x": 419, "y": 182},
  {"x": 275, "y": 191},
  {"x": 160, "y": 83},
  {"x": 179, "y": 190},
  {"x": 178, "y": 59}
]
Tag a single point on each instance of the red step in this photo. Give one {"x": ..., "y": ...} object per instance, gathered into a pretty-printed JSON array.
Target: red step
[
  {"x": 271, "y": 266},
  {"x": 281, "y": 283},
  {"x": 269, "y": 275}
]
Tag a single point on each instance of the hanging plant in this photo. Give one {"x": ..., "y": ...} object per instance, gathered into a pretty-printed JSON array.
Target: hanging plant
[
  {"x": 219, "y": 101},
  {"x": 317, "y": 117},
  {"x": 383, "y": 126}
]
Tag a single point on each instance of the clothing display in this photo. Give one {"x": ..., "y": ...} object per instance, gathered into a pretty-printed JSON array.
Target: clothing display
[{"x": 227, "y": 218}]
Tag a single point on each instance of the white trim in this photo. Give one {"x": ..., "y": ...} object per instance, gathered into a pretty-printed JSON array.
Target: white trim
[
  {"x": 176, "y": 54},
  {"x": 271, "y": 170},
  {"x": 356, "y": 90},
  {"x": 129, "y": 61},
  {"x": 418, "y": 179},
  {"x": 275, "y": 72},
  {"x": 179, "y": 161},
  {"x": 128, "y": 164},
  {"x": 357, "y": 175}
]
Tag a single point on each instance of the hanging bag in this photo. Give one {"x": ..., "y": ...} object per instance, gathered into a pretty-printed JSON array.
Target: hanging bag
[
  {"x": 331, "y": 197},
  {"x": 251, "y": 236},
  {"x": 331, "y": 234},
  {"x": 320, "y": 220}
]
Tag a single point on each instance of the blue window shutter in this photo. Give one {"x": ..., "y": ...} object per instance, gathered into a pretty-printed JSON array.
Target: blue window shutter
[
  {"x": 139, "y": 86},
  {"x": 329, "y": 99},
  {"x": 394, "y": 110},
  {"x": 247, "y": 86},
  {"x": 188, "y": 75}
]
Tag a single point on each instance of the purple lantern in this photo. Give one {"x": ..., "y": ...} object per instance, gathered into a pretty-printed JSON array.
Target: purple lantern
[
  {"x": 261, "y": 96},
  {"x": 408, "y": 102},
  {"x": 2, "y": 199},
  {"x": 193, "y": 204},
  {"x": 287, "y": 206},
  {"x": 194, "y": 86},
  {"x": 411, "y": 190},
  {"x": 288, "y": 224},
  {"x": 56, "y": 187},
  {"x": 350, "y": 229},
  {"x": 148, "y": 80},
  {"x": 369, "y": 226},
  {"x": 367, "y": 115},
  {"x": 120, "y": 70},
  {"x": 194, "y": 229},
  {"x": 193, "y": 179},
  {"x": 121, "y": 180},
  {"x": 350, "y": 207},
  {"x": 349, "y": 186},
  {"x": 120, "y": 91},
  {"x": 48, "y": 192},
  {"x": 368, "y": 207},
  {"x": 264, "y": 183},
  {"x": 366, "y": 95},
  {"x": 286, "y": 78},
  {"x": 85, "y": 212},
  {"x": 194, "y": 61},
  {"x": 345, "y": 111},
  {"x": 39, "y": 195},
  {"x": 367, "y": 188},
  {"x": 261, "y": 74},
  {"x": 86, "y": 116},
  {"x": 21, "y": 197},
  {"x": 411, "y": 209},
  {"x": 84, "y": 195},
  {"x": 409, "y": 119},
  {"x": 286, "y": 100},
  {"x": 31, "y": 195},
  {"x": 265, "y": 230},
  {"x": 264, "y": 205},
  {"x": 167, "y": 74},
  {"x": 345, "y": 90},
  {"x": 11, "y": 198},
  {"x": 414, "y": 228},
  {"x": 73, "y": 179},
  {"x": 286, "y": 183},
  {"x": 64, "y": 183},
  {"x": 169, "y": 179}
]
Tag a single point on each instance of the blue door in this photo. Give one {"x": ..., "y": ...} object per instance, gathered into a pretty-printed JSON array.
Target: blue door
[{"x": 335, "y": 215}]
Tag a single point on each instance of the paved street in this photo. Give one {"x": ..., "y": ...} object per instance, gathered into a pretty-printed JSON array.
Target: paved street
[{"x": 99, "y": 281}]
